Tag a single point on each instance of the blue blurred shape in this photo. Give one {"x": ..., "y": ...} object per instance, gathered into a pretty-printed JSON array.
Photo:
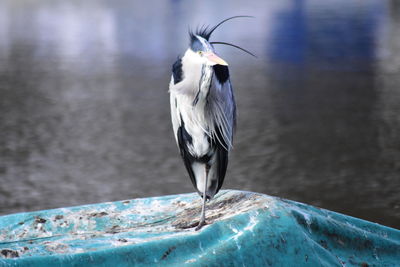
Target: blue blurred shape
[
  {"x": 328, "y": 34},
  {"x": 245, "y": 228},
  {"x": 289, "y": 35}
]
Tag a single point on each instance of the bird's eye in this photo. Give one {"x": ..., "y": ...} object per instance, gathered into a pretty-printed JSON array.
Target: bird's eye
[{"x": 200, "y": 53}]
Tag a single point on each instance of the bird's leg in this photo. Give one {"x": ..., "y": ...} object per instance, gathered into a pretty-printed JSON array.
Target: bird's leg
[{"x": 202, "y": 221}]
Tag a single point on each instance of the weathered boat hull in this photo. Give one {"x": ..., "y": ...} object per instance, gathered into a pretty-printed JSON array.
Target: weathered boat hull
[{"x": 245, "y": 229}]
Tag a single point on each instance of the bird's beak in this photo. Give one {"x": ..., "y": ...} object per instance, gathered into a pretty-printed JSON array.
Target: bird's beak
[{"x": 213, "y": 59}]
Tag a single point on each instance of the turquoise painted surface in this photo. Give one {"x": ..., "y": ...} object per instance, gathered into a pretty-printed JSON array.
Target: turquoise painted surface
[{"x": 245, "y": 229}]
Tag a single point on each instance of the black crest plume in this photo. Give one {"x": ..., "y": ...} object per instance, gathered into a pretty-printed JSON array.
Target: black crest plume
[{"x": 205, "y": 32}]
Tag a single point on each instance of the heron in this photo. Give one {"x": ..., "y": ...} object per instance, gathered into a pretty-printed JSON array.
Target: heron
[{"x": 203, "y": 112}]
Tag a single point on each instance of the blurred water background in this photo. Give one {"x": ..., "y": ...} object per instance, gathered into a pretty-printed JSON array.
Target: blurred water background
[{"x": 84, "y": 107}]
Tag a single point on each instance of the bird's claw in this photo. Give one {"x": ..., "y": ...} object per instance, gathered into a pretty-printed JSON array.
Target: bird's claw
[{"x": 200, "y": 225}]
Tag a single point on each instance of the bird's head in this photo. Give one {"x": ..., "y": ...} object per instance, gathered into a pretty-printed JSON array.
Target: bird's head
[{"x": 201, "y": 49}]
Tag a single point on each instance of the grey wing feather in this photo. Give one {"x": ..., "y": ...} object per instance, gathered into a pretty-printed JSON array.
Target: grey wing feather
[{"x": 222, "y": 112}]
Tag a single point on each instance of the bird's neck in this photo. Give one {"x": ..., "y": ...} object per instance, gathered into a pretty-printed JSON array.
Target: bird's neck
[
  {"x": 206, "y": 76},
  {"x": 204, "y": 84}
]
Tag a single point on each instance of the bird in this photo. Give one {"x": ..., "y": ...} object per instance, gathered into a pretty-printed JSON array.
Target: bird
[{"x": 203, "y": 112}]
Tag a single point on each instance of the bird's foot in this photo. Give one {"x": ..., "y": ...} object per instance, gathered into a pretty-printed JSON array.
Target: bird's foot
[{"x": 200, "y": 225}]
